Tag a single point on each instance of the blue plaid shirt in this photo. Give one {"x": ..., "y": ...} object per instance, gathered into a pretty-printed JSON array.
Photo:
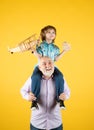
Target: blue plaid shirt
[{"x": 49, "y": 50}]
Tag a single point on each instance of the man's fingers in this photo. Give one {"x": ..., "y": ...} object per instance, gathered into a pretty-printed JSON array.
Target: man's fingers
[
  {"x": 62, "y": 96},
  {"x": 31, "y": 96}
]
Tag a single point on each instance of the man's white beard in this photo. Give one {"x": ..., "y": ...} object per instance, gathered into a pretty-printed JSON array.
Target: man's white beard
[{"x": 48, "y": 73}]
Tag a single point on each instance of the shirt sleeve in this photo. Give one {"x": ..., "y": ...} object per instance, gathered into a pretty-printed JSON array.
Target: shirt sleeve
[
  {"x": 66, "y": 89},
  {"x": 39, "y": 50},
  {"x": 57, "y": 51},
  {"x": 26, "y": 88}
]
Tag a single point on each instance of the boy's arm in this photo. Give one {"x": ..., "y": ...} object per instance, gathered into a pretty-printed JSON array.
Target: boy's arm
[
  {"x": 60, "y": 55},
  {"x": 66, "y": 47},
  {"x": 37, "y": 51}
]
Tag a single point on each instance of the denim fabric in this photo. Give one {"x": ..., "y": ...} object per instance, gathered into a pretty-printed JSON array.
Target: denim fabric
[
  {"x": 59, "y": 82},
  {"x": 36, "y": 81},
  {"x": 34, "y": 128}
]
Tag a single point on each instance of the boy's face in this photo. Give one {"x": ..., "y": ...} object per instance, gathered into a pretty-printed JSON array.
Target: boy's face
[
  {"x": 50, "y": 34},
  {"x": 46, "y": 66}
]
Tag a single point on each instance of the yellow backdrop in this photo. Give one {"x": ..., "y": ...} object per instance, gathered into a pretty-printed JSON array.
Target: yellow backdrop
[{"x": 74, "y": 20}]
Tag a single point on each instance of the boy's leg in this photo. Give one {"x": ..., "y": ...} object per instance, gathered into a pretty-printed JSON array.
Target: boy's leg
[
  {"x": 59, "y": 83},
  {"x": 61, "y": 90},
  {"x": 36, "y": 82},
  {"x": 35, "y": 89}
]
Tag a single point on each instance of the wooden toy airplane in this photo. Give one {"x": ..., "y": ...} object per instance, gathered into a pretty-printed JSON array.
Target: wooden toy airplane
[{"x": 26, "y": 45}]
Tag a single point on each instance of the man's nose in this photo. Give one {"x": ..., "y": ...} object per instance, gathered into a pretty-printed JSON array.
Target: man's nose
[{"x": 47, "y": 65}]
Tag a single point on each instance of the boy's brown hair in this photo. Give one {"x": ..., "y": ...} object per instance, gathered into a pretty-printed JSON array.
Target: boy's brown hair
[{"x": 44, "y": 30}]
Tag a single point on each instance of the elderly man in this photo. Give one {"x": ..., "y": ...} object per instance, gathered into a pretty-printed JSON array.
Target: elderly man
[{"x": 48, "y": 116}]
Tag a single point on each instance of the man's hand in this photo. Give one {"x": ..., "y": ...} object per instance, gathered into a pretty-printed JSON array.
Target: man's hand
[
  {"x": 62, "y": 96},
  {"x": 31, "y": 97}
]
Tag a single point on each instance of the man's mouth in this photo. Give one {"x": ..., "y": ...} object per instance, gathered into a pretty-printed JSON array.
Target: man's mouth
[{"x": 48, "y": 69}]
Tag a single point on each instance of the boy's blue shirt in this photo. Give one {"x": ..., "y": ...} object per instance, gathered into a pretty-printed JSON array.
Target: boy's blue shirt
[{"x": 50, "y": 50}]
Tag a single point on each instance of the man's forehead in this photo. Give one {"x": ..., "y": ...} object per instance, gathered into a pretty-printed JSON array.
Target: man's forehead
[{"x": 45, "y": 59}]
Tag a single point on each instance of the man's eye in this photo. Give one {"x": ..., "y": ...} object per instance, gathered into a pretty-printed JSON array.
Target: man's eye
[{"x": 44, "y": 64}]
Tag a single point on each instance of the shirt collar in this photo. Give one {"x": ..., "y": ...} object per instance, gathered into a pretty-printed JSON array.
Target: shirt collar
[
  {"x": 48, "y": 78},
  {"x": 48, "y": 43}
]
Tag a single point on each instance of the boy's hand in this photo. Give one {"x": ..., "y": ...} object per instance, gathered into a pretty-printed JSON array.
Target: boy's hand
[
  {"x": 62, "y": 96},
  {"x": 66, "y": 46},
  {"x": 31, "y": 97}
]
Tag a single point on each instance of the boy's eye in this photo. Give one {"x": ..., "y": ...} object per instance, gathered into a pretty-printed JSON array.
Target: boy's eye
[
  {"x": 48, "y": 32},
  {"x": 53, "y": 32}
]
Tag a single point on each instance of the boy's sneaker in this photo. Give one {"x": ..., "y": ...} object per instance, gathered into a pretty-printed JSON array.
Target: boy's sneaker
[
  {"x": 62, "y": 104},
  {"x": 34, "y": 105}
]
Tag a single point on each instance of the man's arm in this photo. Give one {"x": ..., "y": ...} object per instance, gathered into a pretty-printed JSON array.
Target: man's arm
[
  {"x": 26, "y": 91},
  {"x": 66, "y": 90},
  {"x": 66, "y": 94}
]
